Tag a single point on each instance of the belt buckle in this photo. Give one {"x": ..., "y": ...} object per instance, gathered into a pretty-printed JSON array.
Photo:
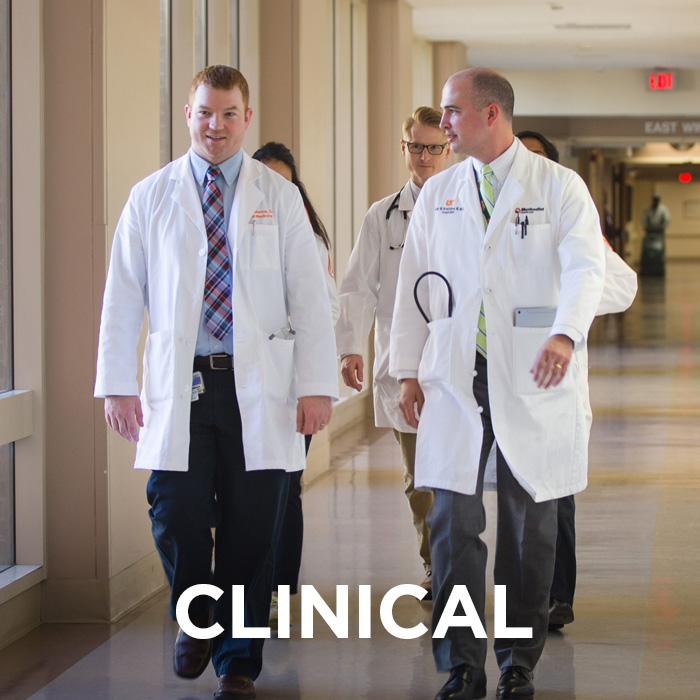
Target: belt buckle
[{"x": 212, "y": 364}]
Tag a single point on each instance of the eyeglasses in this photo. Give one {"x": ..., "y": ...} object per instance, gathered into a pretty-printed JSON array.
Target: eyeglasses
[{"x": 435, "y": 149}]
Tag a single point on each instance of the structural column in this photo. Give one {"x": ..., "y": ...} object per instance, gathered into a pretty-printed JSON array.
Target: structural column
[
  {"x": 448, "y": 58},
  {"x": 390, "y": 91}
]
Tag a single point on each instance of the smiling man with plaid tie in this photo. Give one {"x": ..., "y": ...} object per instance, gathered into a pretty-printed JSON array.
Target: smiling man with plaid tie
[{"x": 239, "y": 365}]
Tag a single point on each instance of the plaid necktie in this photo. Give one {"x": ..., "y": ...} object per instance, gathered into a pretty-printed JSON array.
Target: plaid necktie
[
  {"x": 217, "y": 289},
  {"x": 486, "y": 190}
]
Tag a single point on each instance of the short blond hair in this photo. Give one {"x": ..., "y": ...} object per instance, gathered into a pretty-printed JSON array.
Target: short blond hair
[
  {"x": 425, "y": 116},
  {"x": 220, "y": 78}
]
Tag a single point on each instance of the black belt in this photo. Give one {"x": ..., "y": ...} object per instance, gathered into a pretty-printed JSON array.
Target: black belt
[{"x": 213, "y": 362}]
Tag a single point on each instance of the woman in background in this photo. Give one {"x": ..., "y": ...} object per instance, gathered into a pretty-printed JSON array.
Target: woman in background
[{"x": 279, "y": 158}]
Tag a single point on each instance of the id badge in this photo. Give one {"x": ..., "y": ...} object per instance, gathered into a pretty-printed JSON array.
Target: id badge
[{"x": 197, "y": 386}]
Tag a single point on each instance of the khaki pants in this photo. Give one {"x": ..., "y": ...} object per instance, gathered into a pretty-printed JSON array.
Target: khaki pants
[{"x": 418, "y": 501}]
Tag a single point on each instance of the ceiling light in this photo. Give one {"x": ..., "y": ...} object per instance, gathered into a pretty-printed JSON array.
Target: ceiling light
[{"x": 576, "y": 25}]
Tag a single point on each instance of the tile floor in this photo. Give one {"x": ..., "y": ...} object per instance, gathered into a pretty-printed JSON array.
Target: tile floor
[{"x": 637, "y": 628}]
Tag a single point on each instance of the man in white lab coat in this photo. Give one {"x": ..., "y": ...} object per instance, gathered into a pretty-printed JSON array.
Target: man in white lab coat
[
  {"x": 369, "y": 289},
  {"x": 517, "y": 240},
  {"x": 239, "y": 363}
]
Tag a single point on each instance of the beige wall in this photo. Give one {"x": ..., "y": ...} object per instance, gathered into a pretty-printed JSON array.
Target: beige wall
[
  {"x": 185, "y": 64},
  {"x": 74, "y": 218},
  {"x": 390, "y": 90},
  {"x": 448, "y": 58},
  {"x": 249, "y": 64},
  {"x": 102, "y": 92},
  {"x": 313, "y": 114},
  {"x": 616, "y": 92},
  {"x": 423, "y": 92},
  {"x": 131, "y": 152}
]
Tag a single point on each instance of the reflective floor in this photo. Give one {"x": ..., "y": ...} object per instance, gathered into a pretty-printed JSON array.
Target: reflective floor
[{"x": 637, "y": 627}]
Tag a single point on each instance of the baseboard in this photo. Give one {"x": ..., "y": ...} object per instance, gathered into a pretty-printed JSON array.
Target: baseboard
[
  {"x": 19, "y": 615},
  {"x": 102, "y": 601},
  {"x": 346, "y": 413}
]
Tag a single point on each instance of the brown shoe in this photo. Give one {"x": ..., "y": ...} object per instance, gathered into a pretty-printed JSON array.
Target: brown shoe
[
  {"x": 428, "y": 585},
  {"x": 190, "y": 655},
  {"x": 233, "y": 687}
]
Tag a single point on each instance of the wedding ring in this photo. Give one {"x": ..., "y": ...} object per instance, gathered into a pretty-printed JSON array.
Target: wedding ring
[{"x": 558, "y": 366}]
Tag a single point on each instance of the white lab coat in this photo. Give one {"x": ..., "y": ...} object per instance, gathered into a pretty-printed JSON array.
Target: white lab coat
[
  {"x": 543, "y": 434},
  {"x": 369, "y": 288},
  {"x": 158, "y": 262},
  {"x": 325, "y": 256},
  {"x": 620, "y": 284}
]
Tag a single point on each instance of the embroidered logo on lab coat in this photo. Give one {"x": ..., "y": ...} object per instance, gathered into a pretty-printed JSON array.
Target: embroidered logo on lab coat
[{"x": 450, "y": 207}]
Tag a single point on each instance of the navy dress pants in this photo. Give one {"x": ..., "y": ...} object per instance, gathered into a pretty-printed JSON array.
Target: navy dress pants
[
  {"x": 291, "y": 540},
  {"x": 245, "y": 508}
]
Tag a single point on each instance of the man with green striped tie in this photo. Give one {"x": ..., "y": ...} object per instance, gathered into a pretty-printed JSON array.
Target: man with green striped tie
[{"x": 517, "y": 237}]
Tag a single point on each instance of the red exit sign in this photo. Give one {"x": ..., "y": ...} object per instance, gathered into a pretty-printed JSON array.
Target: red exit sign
[{"x": 661, "y": 80}]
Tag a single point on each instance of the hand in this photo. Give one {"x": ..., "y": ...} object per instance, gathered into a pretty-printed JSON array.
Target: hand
[
  {"x": 123, "y": 414},
  {"x": 313, "y": 414},
  {"x": 552, "y": 361},
  {"x": 411, "y": 401},
  {"x": 352, "y": 371}
]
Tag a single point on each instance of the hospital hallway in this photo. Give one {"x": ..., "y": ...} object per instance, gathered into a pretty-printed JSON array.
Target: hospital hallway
[{"x": 637, "y": 627}]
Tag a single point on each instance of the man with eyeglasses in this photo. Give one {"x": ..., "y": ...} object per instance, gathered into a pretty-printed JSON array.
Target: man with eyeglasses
[{"x": 369, "y": 287}]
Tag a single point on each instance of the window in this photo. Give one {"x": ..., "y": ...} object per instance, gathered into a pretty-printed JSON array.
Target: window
[{"x": 6, "y": 451}]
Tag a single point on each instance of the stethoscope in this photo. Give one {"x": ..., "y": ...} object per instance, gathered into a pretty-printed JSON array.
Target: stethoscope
[
  {"x": 449, "y": 294},
  {"x": 395, "y": 205}
]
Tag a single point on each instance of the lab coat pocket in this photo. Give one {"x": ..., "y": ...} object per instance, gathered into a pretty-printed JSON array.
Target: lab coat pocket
[
  {"x": 526, "y": 344},
  {"x": 159, "y": 370},
  {"x": 436, "y": 363},
  {"x": 278, "y": 362},
  {"x": 536, "y": 248},
  {"x": 264, "y": 247}
]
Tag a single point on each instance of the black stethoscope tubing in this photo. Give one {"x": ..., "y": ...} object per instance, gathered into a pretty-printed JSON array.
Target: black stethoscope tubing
[
  {"x": 395, "y": 205},
  {"x": 449, "y": 294}
]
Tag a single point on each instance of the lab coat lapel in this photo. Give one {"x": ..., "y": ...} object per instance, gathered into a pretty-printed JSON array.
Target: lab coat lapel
[
  {"x": 184, "y": 193},
  {"x": 247, "y": 197},
  {"x": 511, "y": 191},
  {"x": 471, "y": 194},
  {"x": 406, "y": 199}
]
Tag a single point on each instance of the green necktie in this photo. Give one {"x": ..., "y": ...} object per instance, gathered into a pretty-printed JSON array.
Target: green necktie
[{"x": 486, "y": 189}]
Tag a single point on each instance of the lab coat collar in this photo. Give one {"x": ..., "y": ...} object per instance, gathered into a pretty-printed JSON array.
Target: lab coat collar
[
  {"x": 230, "y": 168},
  {"x": 246, "y": 198},
  {"x": 184, "y": 193},
  {"x": 248, "y": 195},
  {"x": 512, "y": 188},
  {"x": 406, "y": 200},
  {"x": 510, "y": 192}
]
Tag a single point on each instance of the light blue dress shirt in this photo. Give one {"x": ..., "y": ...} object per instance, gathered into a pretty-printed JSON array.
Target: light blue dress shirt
[{"x": 207, "y": 344}]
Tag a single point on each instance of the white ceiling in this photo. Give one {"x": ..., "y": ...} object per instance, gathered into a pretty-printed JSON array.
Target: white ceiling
[{"x": 570, "y": 34}]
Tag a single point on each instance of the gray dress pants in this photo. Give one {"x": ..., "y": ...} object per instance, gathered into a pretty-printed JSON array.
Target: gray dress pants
[{"x": 524, "y": 561}]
